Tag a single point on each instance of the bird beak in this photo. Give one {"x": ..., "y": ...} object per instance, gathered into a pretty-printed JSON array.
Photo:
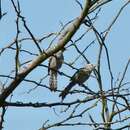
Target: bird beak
[{"x": 95, "y": 66}]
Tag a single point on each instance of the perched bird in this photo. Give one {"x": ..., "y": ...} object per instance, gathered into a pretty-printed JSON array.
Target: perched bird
[
  {"x": 55, "y": 63},
  {"x": 78, "y": 78}
]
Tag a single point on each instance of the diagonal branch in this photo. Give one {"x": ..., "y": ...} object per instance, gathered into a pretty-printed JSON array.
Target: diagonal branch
[{"x": 39, "y": 59}]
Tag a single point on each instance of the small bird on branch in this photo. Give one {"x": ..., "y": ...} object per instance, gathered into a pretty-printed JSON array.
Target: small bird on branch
[
  {"x": 78, "y": 78},
  {"x": 55, "y": 63}
]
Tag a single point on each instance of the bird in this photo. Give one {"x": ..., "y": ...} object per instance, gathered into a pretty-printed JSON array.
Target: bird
[
  {"x": 79, "y": 78},
  {"x": 55, "y": 63}
]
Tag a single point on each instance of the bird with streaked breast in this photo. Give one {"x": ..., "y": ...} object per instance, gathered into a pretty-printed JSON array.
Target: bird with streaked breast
[
  {"x": 55, "y": 63},
  {"x": 78, "y": 78}
]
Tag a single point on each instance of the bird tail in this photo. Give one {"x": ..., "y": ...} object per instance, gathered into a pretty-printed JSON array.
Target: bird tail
[
  {"x": 53, "y": 80},
  {"x": 66, "y": 90}
]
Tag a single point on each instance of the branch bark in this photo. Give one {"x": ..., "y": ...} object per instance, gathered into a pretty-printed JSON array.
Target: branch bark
[{"x": 45, "y": 55}]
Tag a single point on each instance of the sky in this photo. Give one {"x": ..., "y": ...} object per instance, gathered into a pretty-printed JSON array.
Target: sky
[{"x": 44, "y": 17}]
